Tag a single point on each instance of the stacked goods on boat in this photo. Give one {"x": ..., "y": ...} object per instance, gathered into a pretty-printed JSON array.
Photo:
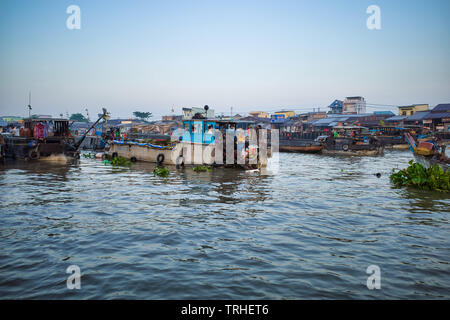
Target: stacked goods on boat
[
  {"x": 298, "y": 142},
  {"x": 41, "y": 138}
]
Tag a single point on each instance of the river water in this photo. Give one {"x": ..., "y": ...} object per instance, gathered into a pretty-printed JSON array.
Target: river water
[{"x": 308, "y": 231}]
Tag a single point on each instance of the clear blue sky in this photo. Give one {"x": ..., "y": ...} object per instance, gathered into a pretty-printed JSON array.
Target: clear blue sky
[{"x": 251, "y": 55}]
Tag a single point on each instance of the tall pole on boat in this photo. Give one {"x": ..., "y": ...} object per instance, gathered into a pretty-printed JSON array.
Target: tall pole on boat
[
  {"x": 29, "y": 104},
  {"x": 102, "y": 116}
]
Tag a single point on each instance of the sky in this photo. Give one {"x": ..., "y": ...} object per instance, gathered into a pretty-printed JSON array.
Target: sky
[{"x": 246, "y": 55}]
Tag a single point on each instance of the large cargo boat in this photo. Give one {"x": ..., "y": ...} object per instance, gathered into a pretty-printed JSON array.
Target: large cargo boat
[
  {"x": 41, "y": 139},
  {"x": 195, "y": 143}
]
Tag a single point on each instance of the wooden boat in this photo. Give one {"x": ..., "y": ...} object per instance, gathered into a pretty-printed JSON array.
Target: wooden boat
[
  {"x": 142, "y": 151},
  {"x": 301, "y": 146},
  {"x": 347, "y": 145},
  {"x": 195, "y": 144},
  {"x": 36, "y": 142},
  {"x": 392, "y": 137},
  {"x": 44, "y": 139},
  {"x": 428, "y": 153}
]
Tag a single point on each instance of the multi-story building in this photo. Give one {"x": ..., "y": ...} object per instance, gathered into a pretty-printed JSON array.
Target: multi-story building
[
  {"x": 259, "y": 114},
  {"x": 286, "y": 113},
  {"x": 410, "y": 110},
  {"x": 354, "y": 105}
]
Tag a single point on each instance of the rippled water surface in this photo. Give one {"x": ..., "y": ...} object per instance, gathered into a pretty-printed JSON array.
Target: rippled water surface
[{"x": 309, "y": 231}]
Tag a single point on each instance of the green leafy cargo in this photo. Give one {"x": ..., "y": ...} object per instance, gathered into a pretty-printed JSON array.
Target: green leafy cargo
[{"x": 417, "y": 176}]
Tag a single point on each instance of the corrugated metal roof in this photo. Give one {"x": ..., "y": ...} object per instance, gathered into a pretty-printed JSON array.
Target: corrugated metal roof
[
  {"x": 438, "y": 115},
  {"x": 443, "y": 107},
  {"x": 417, "y": 116},
  {"x": 395, "y": 118},
  {"x": 384, "y": 113}
]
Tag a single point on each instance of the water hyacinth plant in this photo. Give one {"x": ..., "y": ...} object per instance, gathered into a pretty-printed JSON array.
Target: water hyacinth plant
[
  {"x": 89, "y": 155},
  {"x": 417, "y": 176},
  {"x": 118, "y": 161},
  {"x": 161, "y": 172},
  {"x": 201, "y": 168}
]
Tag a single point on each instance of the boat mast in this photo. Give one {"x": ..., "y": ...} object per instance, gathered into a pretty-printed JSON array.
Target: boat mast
[{"x": 29, "y": 104}]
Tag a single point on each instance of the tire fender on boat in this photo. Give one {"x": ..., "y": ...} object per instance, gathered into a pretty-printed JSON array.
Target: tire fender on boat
[
  {"x": 160, "y": 158},
  {"x": 34, "y": 154},
  {"x": 345, "y": 147}
]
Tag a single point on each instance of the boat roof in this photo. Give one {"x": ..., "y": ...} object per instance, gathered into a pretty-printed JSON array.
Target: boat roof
[
  {"x": 45, "y": 119},
  {"x": 222, "y": 120},
  {"x": 349, "y": 127}
]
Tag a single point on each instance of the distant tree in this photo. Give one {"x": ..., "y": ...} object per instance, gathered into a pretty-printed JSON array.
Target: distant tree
[
  {"x": 78, "y": 117},
  {"x": 142, "y": 115}
]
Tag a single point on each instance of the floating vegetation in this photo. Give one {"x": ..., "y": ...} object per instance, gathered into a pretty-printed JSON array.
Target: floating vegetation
[
  {"x": 161, "y": 172},
  {"x": 201, "y": 168},
  {"x": 118, "y": 161},
  {"x": 417, "y": 176},
  {"x": 89, "y": 155}
]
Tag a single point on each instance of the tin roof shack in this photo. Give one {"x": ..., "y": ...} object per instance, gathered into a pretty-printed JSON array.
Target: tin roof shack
[
  {"x": 333, "y": 120},
  {"x": 395, "y": 120},
  {"x": 439, "y": 118},
  {"x": 417, "y": 118},
  {"x": 374, "y": 119},
  {"x": 172, "y": 118}
]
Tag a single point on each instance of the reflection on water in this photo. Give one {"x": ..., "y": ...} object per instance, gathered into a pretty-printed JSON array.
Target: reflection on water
[{"x": 309, "y": 231}]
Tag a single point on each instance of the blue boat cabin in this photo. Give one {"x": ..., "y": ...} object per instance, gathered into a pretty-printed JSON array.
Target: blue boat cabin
[{"x": 202, "y": 130}]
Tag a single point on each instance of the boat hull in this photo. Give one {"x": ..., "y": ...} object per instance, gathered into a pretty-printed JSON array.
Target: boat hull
[
  {"x": 362, "y": 152},
  {"x": 183, "y": 152},
  {"x": 301, "y": 149},
  {"x": 144, "y": 153}
]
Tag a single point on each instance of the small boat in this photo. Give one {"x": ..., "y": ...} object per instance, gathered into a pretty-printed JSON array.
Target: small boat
[
  {"x": 392, "y": 137},
  {"x": 428, "y": 153},
  {"x": 348, "y": 144}
]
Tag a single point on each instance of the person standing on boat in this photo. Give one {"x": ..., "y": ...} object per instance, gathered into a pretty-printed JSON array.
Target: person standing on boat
[{"x": 335, "y": 134}]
